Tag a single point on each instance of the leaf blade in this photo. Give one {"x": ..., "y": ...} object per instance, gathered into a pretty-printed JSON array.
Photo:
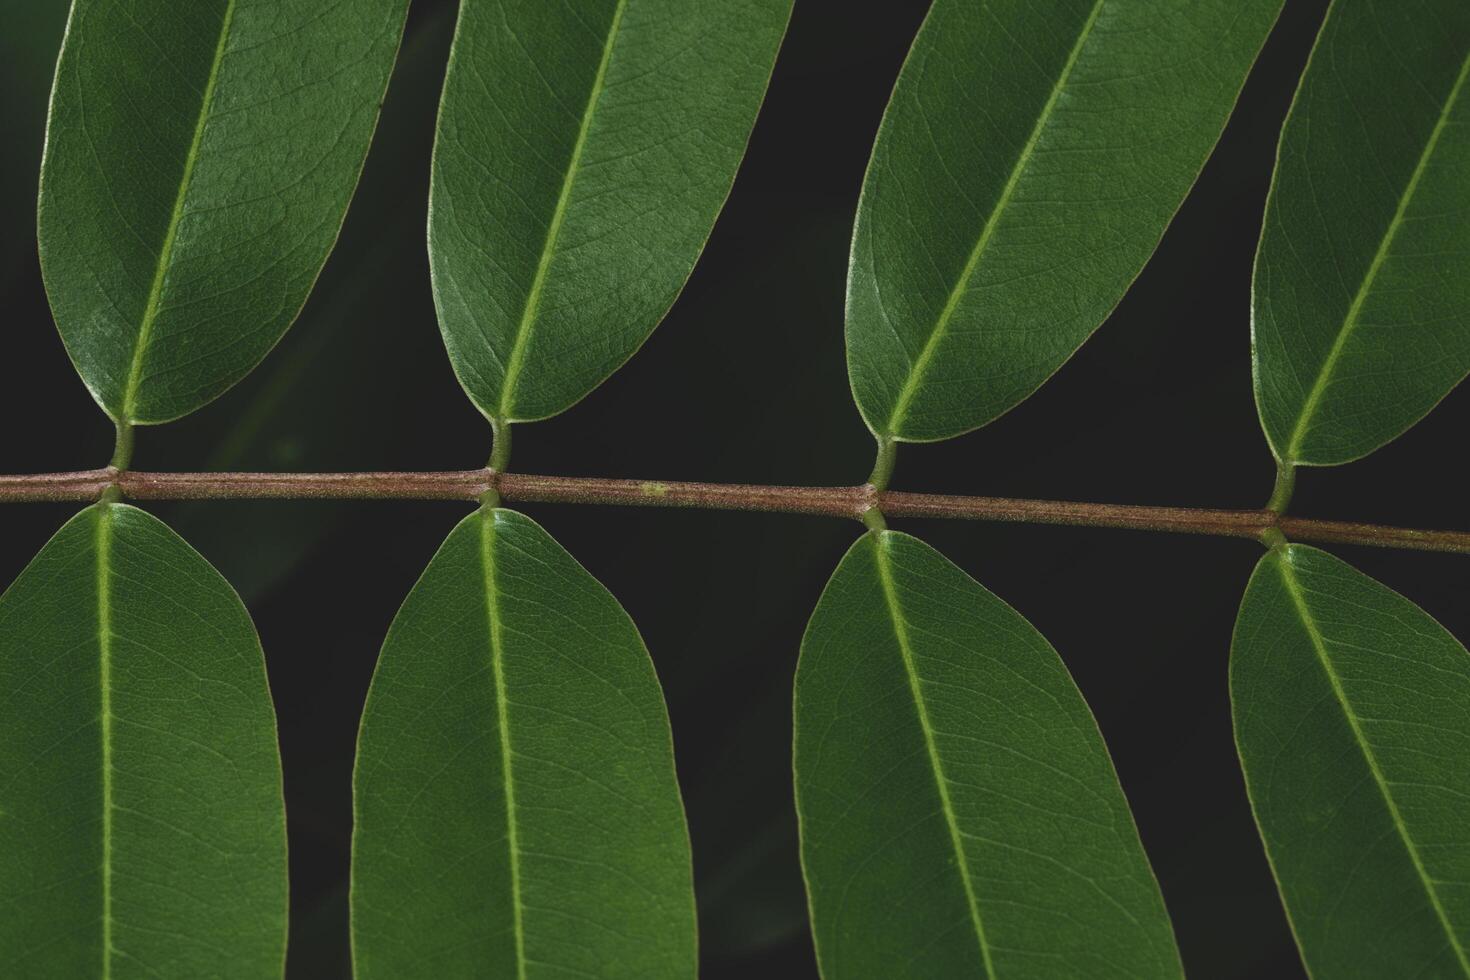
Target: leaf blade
[
  {"x": 901, "y": 647},
  {"x": 965, "y": 209},
  {"x": 611, "y": 146},
  {"x": 515, "y": 775},
  {"x": 1356, "y": 806},
  {"x": 144, "y": 826},
  {"x": 198, "y": 166},
  {"x": 1356, "y": 329}
]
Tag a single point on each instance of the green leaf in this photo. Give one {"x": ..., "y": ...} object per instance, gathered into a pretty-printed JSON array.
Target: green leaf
[
  {"x": 1028, "y": 163},
  {"x": 516, "y": 808},
  {"x": 583, "y": 153},
  {"x": 199, "y": 160},
  {"x": 1362, "y": 280},
  {"x": 142, "y": 828},
  {"x": 1352, "y": 716},
  {"x": 960, "y": 816}
]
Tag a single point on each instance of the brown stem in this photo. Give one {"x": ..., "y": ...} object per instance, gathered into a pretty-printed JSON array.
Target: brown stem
[{"x": 850, "y": 502}]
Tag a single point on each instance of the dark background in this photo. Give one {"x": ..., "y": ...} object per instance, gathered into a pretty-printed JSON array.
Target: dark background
[{"x": 745, "y": 382}]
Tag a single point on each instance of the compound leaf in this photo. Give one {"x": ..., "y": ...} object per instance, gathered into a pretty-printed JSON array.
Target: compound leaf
[
  {"x": 142, "y": 827},
  {"x": 1352, "y": 716},
  {"x": 517, "y": 813},
  {"x": 199, "y": 160},
  {"x": 584, "y": 150},
  {"x": 1362, "y": 280},
  {"x": 960, "y": 816},
  {"x": 1025, "y": 169}
]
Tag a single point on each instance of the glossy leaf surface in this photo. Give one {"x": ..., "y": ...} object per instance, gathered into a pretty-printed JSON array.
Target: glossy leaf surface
[
  {"x": 517, "y": 813},
  {"x": 1352, "y": 716},
  {"x": 960, "y": 816},
  {"x": 142, "y": 829},
  {"x": 1026, "y": 167},
  {"x": 1362, "y": 281},
  {"x": 199, "y": 160},
  {"x": 584, "y": 150}
]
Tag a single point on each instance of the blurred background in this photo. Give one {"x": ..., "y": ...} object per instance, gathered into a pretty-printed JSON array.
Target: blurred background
[{"x": 745, "y": 382}]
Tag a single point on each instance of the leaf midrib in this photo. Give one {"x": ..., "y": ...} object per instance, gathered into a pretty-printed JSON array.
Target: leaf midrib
[
  {"x": 900, "y": 630},
  {"x": 497, "y": 645},
  {"x": 1355, "y": 309},
  {"x": 104, "y": 681},
  {"x": 165, "y": 255},
  {"x": 1319, "y": 647},
  {"x": 920, "y": 366},
  {"x": 558, "y": 215}
]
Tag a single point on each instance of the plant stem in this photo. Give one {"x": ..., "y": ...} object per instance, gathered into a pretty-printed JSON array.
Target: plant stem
[{"x": 849, "y": 502}]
